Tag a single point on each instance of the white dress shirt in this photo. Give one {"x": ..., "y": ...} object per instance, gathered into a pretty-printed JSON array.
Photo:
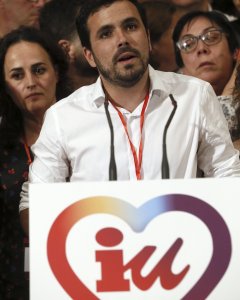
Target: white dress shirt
[{"x": 75, "y": 138}]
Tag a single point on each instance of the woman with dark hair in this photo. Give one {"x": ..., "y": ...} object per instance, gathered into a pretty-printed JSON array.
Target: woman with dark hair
[
  {"x": 32, "y": 78},
  {"x": 206, "y": 47}
]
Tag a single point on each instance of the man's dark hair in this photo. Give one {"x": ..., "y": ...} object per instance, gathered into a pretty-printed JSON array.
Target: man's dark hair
[
  {"x": 91, "y": 7},
  {"x": 214, "y": 17},
  {"x": 57, "y": 18},
  {"x": 11, "y": 125}
]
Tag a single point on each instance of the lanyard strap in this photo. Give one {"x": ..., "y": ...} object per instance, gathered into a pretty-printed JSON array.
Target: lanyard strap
[
  {"x": 137, "y": 158},
  {"x": 27, "y": 153}
]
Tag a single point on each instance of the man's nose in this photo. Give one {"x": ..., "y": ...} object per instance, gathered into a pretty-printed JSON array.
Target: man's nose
[{"x": 121, "y": 38}]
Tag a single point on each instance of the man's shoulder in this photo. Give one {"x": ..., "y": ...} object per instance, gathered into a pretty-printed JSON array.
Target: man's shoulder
[
  {"x": 80, "y": 98},
  {"x": 181, "y": 86},
  {"x": 176, "y": 78}
]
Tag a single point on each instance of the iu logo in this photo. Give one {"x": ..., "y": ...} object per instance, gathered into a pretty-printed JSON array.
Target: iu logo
[
  {"x": 113, "y": 267},
  {"x": 110, "y": 256}
]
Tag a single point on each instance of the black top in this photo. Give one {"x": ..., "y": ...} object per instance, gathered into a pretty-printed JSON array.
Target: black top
[{"x": 14, "y": 283}]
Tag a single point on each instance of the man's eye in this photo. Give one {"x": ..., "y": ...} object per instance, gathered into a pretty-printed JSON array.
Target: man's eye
[
  {"x": 105, "y": 34},
  {"x": 131, "y": 27}
]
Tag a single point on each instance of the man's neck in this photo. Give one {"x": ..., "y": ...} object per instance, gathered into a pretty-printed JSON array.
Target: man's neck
[{"x": 128, "y": 97}]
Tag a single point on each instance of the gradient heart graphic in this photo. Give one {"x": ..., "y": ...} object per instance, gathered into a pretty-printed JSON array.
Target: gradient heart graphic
[{"x": 137, "y": 219}]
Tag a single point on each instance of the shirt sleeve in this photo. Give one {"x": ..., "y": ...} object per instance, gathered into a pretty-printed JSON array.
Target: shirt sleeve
[
  {"x": 216, "y": 155},
  {"x": 50, "y": 163},
  {"x": 50, "y": 160},
  {"x": 24, "y": 202}
]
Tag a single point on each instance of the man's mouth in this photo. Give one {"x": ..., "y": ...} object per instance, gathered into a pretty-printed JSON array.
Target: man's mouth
[{"x": 126, "y": 57}]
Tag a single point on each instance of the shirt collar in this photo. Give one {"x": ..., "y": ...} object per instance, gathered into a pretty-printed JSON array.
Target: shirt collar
[
  {"x": 157, "y": 87},
  {"x": 98, "y": 95}
]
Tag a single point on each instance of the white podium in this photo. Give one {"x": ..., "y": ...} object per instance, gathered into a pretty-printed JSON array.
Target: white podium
[{"x": 148, "y": 240}]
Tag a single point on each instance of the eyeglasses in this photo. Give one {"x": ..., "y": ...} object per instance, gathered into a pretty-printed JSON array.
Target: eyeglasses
[{"x": 189, "y": 42}]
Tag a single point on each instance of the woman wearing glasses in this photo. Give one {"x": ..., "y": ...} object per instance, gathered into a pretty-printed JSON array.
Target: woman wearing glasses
[{"x": 206, "y": 47}]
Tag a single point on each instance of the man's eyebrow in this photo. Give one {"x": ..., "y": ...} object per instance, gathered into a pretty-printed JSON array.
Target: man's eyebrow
[
  {"x": 130, "y": 19},
  {"x": 110, "y": 26},
  {"x": 103, "y": 28}
]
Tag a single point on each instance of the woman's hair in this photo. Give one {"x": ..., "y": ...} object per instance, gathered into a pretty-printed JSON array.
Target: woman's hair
[
  {"x": 11, "y": 123},
  {"x": 213, "y": 16},
  {"x": 236, "y": 95}
]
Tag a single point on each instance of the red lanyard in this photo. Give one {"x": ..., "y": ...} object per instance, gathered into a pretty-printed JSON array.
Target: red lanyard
[
  {"x": 137, "y": 158},
  {"x": 28, "y": 153}
]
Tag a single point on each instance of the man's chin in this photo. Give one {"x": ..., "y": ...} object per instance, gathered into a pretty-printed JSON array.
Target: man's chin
[
  {"x": 129, "y": 81},
  {"x": 130, "y": 75}
]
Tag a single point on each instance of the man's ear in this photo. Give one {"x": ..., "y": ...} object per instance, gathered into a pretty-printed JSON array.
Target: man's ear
[
  {"x": 66, "y": 46},
  {"x": 89, "y": 57}
]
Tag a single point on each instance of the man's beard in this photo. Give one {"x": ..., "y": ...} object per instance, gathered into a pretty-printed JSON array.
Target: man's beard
[{"x": 127, "y": 78}]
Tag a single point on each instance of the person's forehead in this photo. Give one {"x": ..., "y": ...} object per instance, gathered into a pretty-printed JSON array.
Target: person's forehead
[
  {"x": 116, "y": 12},
  {"x": 34, "y": 49},
  {"x": 198, "y": 25}
]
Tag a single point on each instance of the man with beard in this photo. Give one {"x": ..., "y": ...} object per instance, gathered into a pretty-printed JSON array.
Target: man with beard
[
  {"x": 57, "y": 19},
  {"x": 116, "y": 128}
]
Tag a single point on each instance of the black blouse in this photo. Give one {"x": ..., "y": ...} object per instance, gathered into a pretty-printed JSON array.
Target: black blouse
[{"x": 14, "y": 165}]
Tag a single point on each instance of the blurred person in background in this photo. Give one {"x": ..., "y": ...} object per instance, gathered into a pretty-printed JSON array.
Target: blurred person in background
[
  {"x": 228, "y": 7},
  {"x": 231, "y": 10},
  {"x": 57, "y": 19},
  {"x": 32, "y": 77},
  {"x": 237, "y": 4},
  {"x": 160, "y": 17},
  {"x": 191, "y": 5},
  {"x": 206, "y": 47},
  {"x": 15, "y": 13}
]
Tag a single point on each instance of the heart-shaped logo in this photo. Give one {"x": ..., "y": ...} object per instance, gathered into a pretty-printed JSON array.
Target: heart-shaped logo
[{"x": 138, "y": 219}]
